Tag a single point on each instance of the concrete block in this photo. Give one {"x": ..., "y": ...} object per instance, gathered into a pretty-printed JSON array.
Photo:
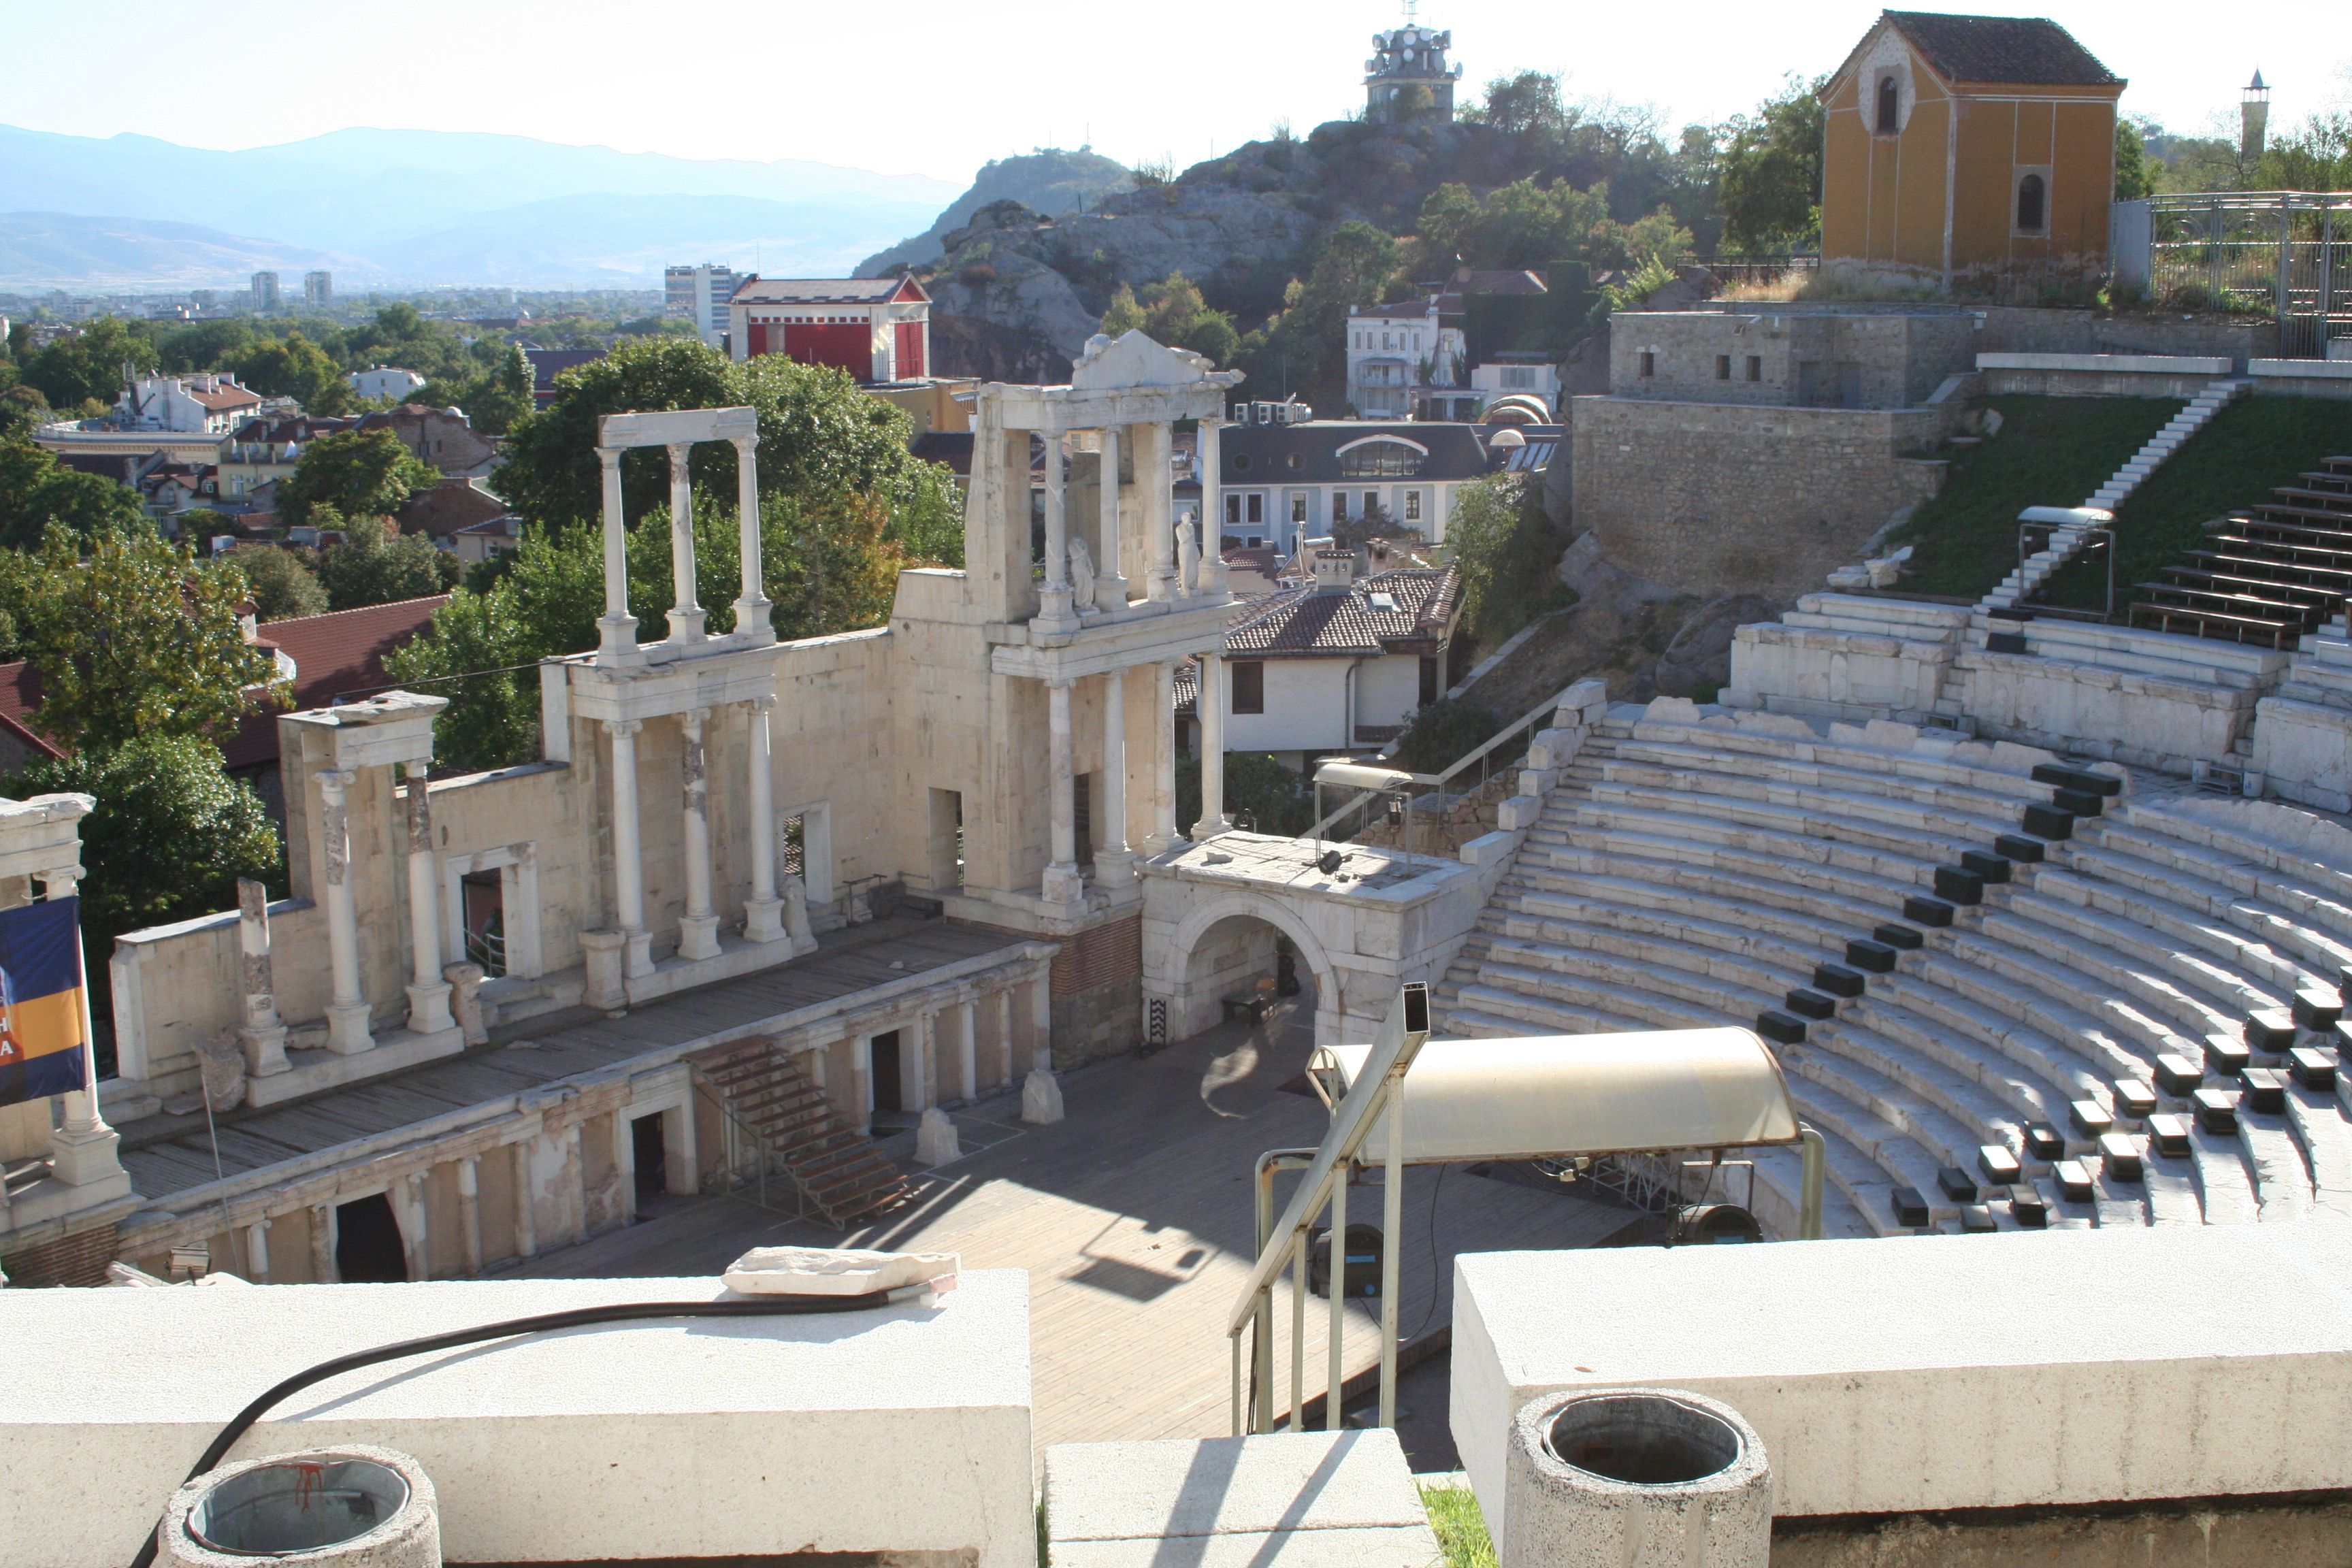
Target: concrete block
[
  {"x": 1518, "y": 812},
  {"x": 1538, "y": 782},
  {"x": 899, "y": 1430}
]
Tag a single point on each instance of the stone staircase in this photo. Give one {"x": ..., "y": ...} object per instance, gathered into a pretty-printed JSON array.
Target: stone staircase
[
  {"x": 838, "y": 1170},
  {"x": 1847, "y": 657},
  {"x": 2270, "y": 575},
  {"x": 2074, "y": 524},
  {"x": 1999, "y": 981}
]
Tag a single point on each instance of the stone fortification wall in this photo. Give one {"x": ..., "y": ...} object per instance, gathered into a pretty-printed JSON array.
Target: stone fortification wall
[
  {"x": 1768, "y": 357},
  {"x": 1712, "y": 499}
]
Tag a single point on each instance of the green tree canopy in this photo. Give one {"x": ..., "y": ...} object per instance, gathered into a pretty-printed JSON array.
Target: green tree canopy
[
  {"x": 1770, "y": 174},
  {"x": 282, "y": 583},
  {"x": 2133, "y": 177},
  {"x": 819, "y": 436},
  {"x": 136, "y": 639},
  {"x": 1507, "y": 550},
  {"x": 1304, "y": 348},
  {"x": 1172, "y": 311},
  {"x": 378, "y": 564},
  {"x": 169, "y": 838},
  {"x": 293, "y": 366},
  {"x": 359, "y": 473},
  {"x": 36, "y": 491},
  {"x": 22, "y": 409},
  {"x": 89, "y": 365}
]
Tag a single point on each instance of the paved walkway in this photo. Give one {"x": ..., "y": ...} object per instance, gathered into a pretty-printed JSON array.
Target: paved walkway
[{"x": 1133, "y": 1218}]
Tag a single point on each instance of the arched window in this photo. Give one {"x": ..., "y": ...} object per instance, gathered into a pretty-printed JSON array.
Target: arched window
[
  {"x": 1890, "y": 105},
  {"x": 1380, "y": 458},
  {"x": 2028, "y": 202}
]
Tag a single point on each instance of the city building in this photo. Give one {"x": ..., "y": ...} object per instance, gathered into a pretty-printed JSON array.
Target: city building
[
  {"x": 1283, "y": 484},
  {"x": 876, "y": 328},
  {"x": 1526, "y": 378},
  {"x": 384, "y": 381},
  {"x": 701, "y": 295},
  {"x": 1972, "y": 150},
  {"x": 318, "y": 290},
  {"x": 1402, "y": 358},
  {"x": 546, "y": 364},
  {"x": 208, "y": 403},
  {"x": 1407, "y": 76},
  {"x": 262, "y": 451},
  {"x": 444, "y": 437},
  {"x": 263, "y": 291}
]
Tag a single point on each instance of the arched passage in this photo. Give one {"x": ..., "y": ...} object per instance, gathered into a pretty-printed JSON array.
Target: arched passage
[{"x": 1223, "y": 945}]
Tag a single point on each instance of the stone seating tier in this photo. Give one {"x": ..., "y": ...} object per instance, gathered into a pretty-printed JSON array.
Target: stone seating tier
[{"x": 1695, "y": 867}]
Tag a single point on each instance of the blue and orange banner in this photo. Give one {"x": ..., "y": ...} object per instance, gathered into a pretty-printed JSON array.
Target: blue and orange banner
[{"x": 42, "y": 1044}]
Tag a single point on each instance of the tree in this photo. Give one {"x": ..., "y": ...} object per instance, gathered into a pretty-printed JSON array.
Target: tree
[
  {"x": 2133, "y": 179},
  {"x": 1172, "y": 311},
  {"x": 359, "y": 473},
  {"x": 282, "y": 583},
  {"x": 293, "y": 366},
  {"x": 505, "y": 396},
  {"x": 89, "y": 365},
  {"x": 1443, "y": 733},
  {"x": 1305, "y": 347},
  {"x": 1771, "y": 172},
  {"x": 137, "y": 639},
  {"x": 819, "y": 434},
  {"x": 378, "y": 564},
  {"x": 1279, "y": 800},
  {"x": 170, "y": 835},
  {"x": 1507, "y": 550},
  {"x": 22, "y": 409},
  {"x": 36, "y": 491}
]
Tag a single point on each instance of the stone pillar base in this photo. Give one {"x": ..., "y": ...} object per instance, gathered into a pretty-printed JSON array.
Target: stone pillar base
[
  {"x": 265, "y": 1050},
  {"x": 428, "y": 1009},
  {"x": 601, "y": 954},
  {"x": 347, "y": 1028},
  {"x": 1064, "y": 885},
  {"x": 796, "y": 916},
  {"x": 1210, "y": 827},
  {"x": 637, "y": 953},
  {"x": 763, "y": 919},
  {"x": 1041, "y": 1098},
  {"x": 935, "y": 1141},
  {"x": 83, "y": 1159},
  {"x": 1157, "y": 843},
  {"x": 1110, "y": 593},
  {"x": 1115, "y": 868},
  {"x": 697, "y": 936}
]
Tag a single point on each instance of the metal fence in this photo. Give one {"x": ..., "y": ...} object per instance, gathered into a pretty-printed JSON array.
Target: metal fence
[{"x": 2287, "y": 255}]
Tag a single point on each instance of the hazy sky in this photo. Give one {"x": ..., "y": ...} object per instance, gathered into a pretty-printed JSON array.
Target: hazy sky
[{"x": 939, "y": 89}]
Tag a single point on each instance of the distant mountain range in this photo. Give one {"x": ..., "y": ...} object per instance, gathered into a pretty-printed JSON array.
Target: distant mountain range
[{"x": 426, "y": 207}]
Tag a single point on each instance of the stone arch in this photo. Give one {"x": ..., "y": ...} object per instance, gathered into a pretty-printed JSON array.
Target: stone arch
[{"x": 1166, "y": 966}]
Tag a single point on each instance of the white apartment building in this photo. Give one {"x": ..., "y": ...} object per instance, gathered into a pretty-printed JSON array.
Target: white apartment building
[
  {"x": 1395, "y": 353},
  {"x": 209, "y": 405},
  {"x": 1530, "y": 376},
  {"x": 318, "y": 290},
  {"x": 701, "y": 295},
  {"x": 384, "y": 381},
  {"x": 263, "y": 291}
]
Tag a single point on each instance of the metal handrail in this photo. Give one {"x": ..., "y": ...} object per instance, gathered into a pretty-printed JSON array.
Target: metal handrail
[
  {"x": 1485, "y": 749},
  {"x": 769, "y": 1153}
]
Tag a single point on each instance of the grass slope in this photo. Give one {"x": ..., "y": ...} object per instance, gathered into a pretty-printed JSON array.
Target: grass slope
[
  {"x": 2051, "y": 451},
  {"x": 2251, "y": 447}
]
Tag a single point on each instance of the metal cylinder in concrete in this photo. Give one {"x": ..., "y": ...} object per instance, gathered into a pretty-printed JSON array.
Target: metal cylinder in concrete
[
  {"x": 1634, "y": 1478},
  {"x": 335, "y": 1507}
]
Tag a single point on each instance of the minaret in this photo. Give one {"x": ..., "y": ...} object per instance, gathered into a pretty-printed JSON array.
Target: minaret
[{"x": 2253, "y": 118}]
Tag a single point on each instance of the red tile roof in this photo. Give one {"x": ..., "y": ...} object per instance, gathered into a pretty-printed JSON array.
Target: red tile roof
[
  {"x": 1300, "y": 622},
  {"x": 20, "y": 693},
  {"x": 337, "y": 657}
]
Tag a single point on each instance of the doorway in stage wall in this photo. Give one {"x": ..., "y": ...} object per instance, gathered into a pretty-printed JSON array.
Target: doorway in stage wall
[
  {"x": 890, "y": 1093},
  {"x": 368, "y": 1250}
]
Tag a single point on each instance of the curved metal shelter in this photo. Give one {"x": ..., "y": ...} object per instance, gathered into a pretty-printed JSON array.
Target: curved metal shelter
[{"x": 1578, "y": 1094}]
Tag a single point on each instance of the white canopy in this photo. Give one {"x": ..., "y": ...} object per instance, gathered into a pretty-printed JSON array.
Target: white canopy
[{"x": 1582, "y": 1094}]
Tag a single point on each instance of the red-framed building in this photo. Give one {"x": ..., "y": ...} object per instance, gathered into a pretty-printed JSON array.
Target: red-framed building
[{"x": 876, "y": 328}]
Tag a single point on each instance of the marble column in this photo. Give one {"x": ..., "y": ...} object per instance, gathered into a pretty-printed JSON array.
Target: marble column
[
  {"x": 1114, "y": 860},
  {"x": 763, "y": 911},
  {"x": 576, "y": 1187},
  {"x": 1004, "y": 1007},
  {"x": 1164, "y": 835},
  {"x": 628, "y": 850},
  {"x": 755, "y": 615},
  {"x": 861, "y": 1076},
  {"x": 926, "y": 1052},
  {"x": 686, "y": 617},
  {"x": 624, "y": 1161},
  {"x": 1041, "y": 1093},
  {"x": 428, "y": 993},
  {"x": 1063, "y": 884},
  {"x": 616, "y": 629},
  {"x": 1155, "y": 478},
  {"x": 1110, "y": 584},
  {"x": 967, "y": 1049},
  {"x": 83, "y": 1149},
  {"x": 412, "y": 1225},
  {"x": 322, "y": 1244},
  {"x": 469, "y": 1212},
  {"x": 256, "y": 1251},
  {"x": 1212, "y": 710},
  {"x": 347, "y": 1008},
  {"x": 698, "y": 929},
  {"x": 1211, "y": 583},
  {"x": 263, "y": 1032},
  {"x": 526, "y": 1217},
  {"x": 1056, "y": 606}
]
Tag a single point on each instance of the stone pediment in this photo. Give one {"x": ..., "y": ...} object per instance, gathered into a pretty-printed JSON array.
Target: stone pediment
[{"x": 1135, "y": 360}]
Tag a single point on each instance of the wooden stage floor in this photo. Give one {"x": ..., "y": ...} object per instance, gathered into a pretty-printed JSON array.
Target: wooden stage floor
[{"x": 1133, "y": 1218}]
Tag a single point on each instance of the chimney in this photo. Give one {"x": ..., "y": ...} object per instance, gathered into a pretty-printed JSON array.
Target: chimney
[{"x": 1335, "y": 571}]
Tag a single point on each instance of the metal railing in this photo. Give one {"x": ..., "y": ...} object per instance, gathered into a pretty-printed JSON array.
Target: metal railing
[
  {"x": 1496, "y": 752},
  {"x": 731, "y": 1178},
  {"x": 2287, "y": 255}
]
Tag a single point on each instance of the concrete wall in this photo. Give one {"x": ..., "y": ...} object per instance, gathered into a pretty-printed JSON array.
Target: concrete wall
[
  {"x": 1874, "y": 358},
  {"x": 905, "y": 1429},
  {"x": 2099, "y": 374},
  {"x": 1713, "y": 498}
]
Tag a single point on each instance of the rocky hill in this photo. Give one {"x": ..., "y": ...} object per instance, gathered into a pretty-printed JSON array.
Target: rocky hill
[{"x": 1049, "y": 181}]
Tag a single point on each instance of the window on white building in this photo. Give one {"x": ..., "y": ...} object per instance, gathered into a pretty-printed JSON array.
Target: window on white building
[
  {"x": 1412, "y": 505},
  {"x": 1299, "y": 509},
  {"x": 1518, "y": 377},
  {"x": 1339, "y": 506}
]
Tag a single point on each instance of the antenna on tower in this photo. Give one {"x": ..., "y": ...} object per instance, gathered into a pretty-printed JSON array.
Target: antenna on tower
[{"x": 1412, "y": 11}]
